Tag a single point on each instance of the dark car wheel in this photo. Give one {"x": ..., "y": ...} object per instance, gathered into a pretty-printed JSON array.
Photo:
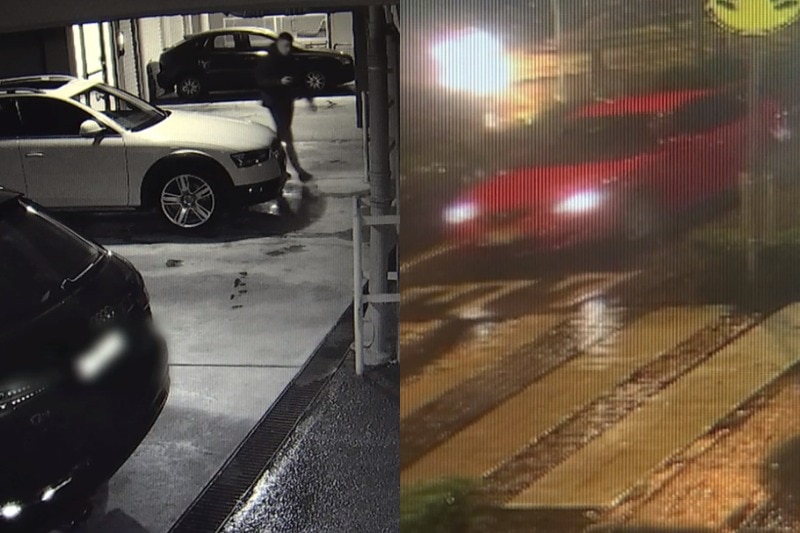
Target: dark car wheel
[
  {"x": 316, "y": 80},
  {"x": 190, "y": 200},
  {"x": 190, "y": 87}
]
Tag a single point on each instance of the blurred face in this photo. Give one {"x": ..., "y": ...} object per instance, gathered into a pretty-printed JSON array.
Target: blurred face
[{"x": 284, "y": 47}]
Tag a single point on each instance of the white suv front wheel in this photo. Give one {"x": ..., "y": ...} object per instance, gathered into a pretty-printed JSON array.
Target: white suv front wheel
[{"x": 189, "y": 201}]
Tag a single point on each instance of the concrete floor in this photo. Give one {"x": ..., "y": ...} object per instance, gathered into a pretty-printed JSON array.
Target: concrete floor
[{"x": 242, "y": 310}]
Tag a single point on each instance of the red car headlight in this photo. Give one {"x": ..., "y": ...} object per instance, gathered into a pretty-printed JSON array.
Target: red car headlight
[
  {"x": 580, "y": 202},
  {"x": 461, "y": 213}
]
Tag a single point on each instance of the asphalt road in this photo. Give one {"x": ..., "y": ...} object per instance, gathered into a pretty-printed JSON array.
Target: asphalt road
[{"x": 340, "y": 471}]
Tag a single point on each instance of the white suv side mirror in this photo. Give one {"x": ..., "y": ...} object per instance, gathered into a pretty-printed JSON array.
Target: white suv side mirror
[{"x": 91, "y": 128}]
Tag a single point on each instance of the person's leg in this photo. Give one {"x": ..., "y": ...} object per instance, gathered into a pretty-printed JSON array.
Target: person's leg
[
  {"x": 280, "y": 116},
  {"x": 291, "y": 153}
]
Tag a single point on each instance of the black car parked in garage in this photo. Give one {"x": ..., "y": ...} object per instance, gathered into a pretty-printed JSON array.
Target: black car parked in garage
[
  {"x": 220, "y": 60},
  {"x": 83, "y": 373}
]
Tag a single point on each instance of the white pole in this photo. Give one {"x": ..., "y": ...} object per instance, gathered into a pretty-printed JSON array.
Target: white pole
[
  {"x": 365, "y": 133},
  {"x": 358, "y": 286}
]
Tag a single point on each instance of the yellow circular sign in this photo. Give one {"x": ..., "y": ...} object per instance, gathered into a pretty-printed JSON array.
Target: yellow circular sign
[{"x": 754, "y": 17}]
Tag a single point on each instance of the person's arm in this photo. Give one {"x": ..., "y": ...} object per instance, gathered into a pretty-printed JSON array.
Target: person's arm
[{"x": 266, "y": 76}]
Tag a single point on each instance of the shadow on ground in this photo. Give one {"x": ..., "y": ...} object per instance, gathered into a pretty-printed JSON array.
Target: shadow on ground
[
  {"x": 780, "y": 474},
  {"x": 299, "y": 208},
  {"x": 648, "y": 529},
  {"x": 536, "y": 521},
  {"x": 165, "y": 473}
]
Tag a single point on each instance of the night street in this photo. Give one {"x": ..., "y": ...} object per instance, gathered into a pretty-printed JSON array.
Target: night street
[{"x": 611, "y": 384}]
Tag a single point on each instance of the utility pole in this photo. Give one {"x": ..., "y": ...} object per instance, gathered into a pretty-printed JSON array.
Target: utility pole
[
  {"x": 757, "y": 190},
  {"x": 700, "y": 30},
  {"x": 753, "y": 186},
  {"x": 558, "y": 37},
  {"x": 380, "y": 315}
]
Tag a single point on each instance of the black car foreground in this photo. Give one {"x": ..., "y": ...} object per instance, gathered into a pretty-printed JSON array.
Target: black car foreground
[
  {"x": 83, "y": 372},
  {"x": 225, "y": 60}
]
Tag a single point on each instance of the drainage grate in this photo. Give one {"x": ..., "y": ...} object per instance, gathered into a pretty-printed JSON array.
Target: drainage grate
[{"x": 211, "y": 509}]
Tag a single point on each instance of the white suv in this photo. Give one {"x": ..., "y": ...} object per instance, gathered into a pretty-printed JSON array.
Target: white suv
[{"x": 72, "y": 143}]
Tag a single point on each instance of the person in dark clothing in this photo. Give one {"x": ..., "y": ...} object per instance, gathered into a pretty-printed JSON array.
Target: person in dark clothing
[{"x": 281, "y": 83}]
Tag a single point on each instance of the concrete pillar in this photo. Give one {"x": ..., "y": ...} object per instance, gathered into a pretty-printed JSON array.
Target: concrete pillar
[
  {"x": 379, "y": 316},
  {"x": 205, "y": 22}
]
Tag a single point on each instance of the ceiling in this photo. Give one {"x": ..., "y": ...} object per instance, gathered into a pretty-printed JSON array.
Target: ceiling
[{"x": 19, "y": 15}]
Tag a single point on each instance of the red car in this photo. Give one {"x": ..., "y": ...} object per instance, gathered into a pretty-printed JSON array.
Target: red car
[{"x": 616, "y": 170}]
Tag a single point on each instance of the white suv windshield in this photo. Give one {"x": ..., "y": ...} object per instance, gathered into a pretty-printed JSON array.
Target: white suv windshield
[{"x": 125, "y": 109}]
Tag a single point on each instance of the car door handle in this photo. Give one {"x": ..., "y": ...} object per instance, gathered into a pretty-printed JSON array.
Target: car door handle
[{"x": 34, "y": 154}]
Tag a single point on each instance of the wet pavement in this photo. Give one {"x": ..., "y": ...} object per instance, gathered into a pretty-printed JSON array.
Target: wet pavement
[
  {"x": 535, "y": 373},
  {"x": 242, "y": 308},
  {"x": 340, "y": 470},
  {"x": 601, "y": 472}
]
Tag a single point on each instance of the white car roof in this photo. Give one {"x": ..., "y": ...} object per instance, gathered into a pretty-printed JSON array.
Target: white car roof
[
  {"x": 65, "y": 86},
  {"x": 74, "y": 87}
]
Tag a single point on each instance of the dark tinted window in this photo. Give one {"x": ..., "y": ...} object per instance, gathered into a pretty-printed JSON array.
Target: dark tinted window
[
  {"x": 38, "y": 255},
  {"x": 46, "y": 117},
  {"x": 709, "y": 114},
  {"x": 9, "y": 119}
]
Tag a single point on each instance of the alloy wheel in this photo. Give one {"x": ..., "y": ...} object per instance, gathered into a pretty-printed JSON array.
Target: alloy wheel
[
  {"x": 315, "y": 80},
  {"x": 188, "y": 201},
  {"x": 189, "y": 87}
]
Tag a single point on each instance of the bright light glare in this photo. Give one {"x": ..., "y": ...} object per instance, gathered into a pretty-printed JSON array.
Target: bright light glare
[
  {"x": 96, "y": 360},
  {"x": 460, "y": 213},
  {"x": 580, "y": 202},
  {"x": 11, "y": 510},
  {"x": 473, "y": 61},
  {"x": 50, "y": 492}
]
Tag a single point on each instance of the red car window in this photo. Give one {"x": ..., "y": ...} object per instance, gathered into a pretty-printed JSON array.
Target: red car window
[
  {"x": 709, "y": 114},
  {"x": 604, "y": 138}
]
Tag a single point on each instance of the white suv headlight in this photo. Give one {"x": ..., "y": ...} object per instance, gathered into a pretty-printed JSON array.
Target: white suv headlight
[
  {"x": 581, "y": 202},
  {"x": 252, "y": 158},
  {"x": 460, "y": 213}
]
